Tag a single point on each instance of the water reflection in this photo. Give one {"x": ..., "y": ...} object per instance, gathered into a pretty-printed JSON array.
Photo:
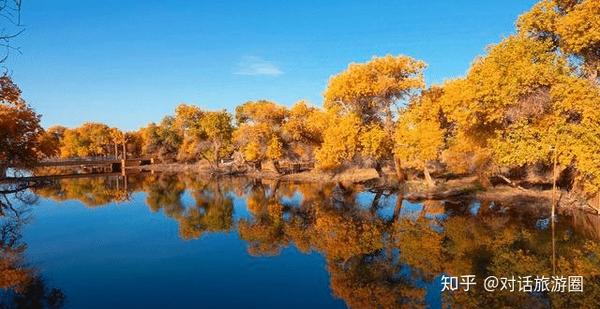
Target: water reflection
[
  {"x": 380, "y": 251},
  {"x": 21, "y": 286}
]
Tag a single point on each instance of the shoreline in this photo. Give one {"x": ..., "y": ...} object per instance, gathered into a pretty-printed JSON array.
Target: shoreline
[{"x": 414, "y": 190}]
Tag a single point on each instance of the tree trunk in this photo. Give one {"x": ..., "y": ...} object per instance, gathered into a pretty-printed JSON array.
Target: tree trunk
[
  {"x": 378, "y": 169},
  {"x": 399, "y": 171},
  {"x": 2, "y": 171},
  {"x": 398, "y": 208},
  {"x": 375, "y": 203},
  {"x": 389, "y": 120},
  {"x": 428, "y": 179},
  {"x": 554, "y": 183}
]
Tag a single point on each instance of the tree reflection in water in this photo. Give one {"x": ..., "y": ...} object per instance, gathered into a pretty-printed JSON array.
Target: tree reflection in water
[
  {"x": 21, "y": 286},
  {"x": 374, "y": 260}
]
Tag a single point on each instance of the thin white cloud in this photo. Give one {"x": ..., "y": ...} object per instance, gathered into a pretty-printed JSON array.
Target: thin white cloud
[{"x": 251, "y": 65}]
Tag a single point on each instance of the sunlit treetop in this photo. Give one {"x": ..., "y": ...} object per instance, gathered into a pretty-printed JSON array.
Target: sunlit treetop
[
  {"x": 572, "y": 25},
  {"x": 187, "y": 117},
  {"x": 261, "y": 111},
  {"x": 369, "y": 89},
  {"x": 305, "y": 123},
  {"x": 510, "y": 83}
]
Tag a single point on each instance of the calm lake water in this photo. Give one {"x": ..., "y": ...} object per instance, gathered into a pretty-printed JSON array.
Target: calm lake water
[{"x": 167, "y": 241}]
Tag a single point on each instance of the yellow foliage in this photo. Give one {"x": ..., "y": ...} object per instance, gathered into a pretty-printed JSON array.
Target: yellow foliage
[
  {"x": 506, "y": 86},
  {"x": 369, "y": 89},
  {"x": 465, "y": 155},
  {"x": 187, "y": 117},
  {"x": 252, "y": 152},
  {"x": 522, "y": 104},
  {"x": 579, "y": 28},
  {"x": 275, "y": 149},
  {"x": 206, "y": 134},
  {"x": 259, "y": 123},
  {"x": 90, "y": 139},
  {"x": 375, "y": 143},
  {"x": 303, "y": 130},
  {"x": 361, "y": 97},
  {"x": 340, "y": 142},
  {"x": 573, "y": 26},
  {"x": 305, "y": 123},
  {"x": 261, "y": 111},
  {"x": 419, "y": 136}
]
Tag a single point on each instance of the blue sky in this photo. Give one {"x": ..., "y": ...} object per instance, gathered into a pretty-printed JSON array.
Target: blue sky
[{"x": 127, "y": 63}]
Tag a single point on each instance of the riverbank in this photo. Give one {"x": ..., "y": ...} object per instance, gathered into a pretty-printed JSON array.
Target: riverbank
[
  {"x": 464, "y": 187},
  {"x": 353, "y": 175}
]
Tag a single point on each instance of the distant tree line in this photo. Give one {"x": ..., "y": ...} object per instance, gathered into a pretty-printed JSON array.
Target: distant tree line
[{"x": 531, "y": 101}]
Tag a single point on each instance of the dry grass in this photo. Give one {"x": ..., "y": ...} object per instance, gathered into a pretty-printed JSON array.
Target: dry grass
[{"x": 353, "y": 175}]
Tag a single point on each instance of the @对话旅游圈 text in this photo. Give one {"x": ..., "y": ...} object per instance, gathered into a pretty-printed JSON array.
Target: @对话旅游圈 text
[{"x": 557, "y": 284}]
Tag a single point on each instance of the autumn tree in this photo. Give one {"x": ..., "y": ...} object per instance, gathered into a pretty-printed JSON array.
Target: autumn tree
[
  {"x": 420, "y": 134},
  {"x": 51, "y": 140},
  {"x": 90, "y": 139},
  {"x": 567, "y": 135},
  {"x": 523, "y": 104},
  {"x": 258, "y": 135},
  {"x": 369, "y": 91},
  {"x": 572, "y": 26},
  {"x": 340, "y": 141},
  {"x": 117, "y": 138},
  {"x": 161, "y": 139},
  {"x": 209, "y": 137},
  {"x": 187, "y": 118},
  {"x": 496, "y": 86},
  {"x": 20, "y": 129},
  {"x": 303, "y": 130},
  {"x": 134, "y": 144}
]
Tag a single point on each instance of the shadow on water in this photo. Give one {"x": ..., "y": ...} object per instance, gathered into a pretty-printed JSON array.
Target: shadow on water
[{"x": 380, "y": 251}]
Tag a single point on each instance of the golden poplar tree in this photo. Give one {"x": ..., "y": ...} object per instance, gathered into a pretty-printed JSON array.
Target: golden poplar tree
[
  {"x": 368, "y": 91},
  {"x": 573, "y": 26},
  {"x": 419, "y": 134}
]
